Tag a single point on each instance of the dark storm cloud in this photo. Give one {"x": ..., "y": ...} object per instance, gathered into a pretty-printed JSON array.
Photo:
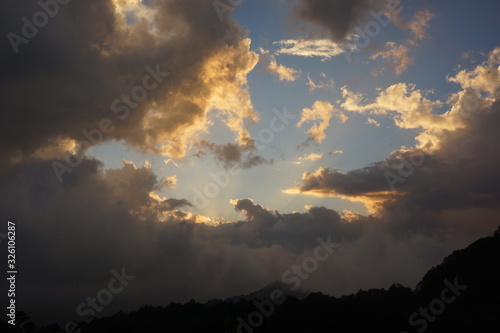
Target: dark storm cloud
[
  {"x": 296, "y": 232},
  {"x": 72, "y": 234},
  {"x": 79, "y": 68},
  {"x": 448, "y": 200},
  {"x": 340, "y": 17}
]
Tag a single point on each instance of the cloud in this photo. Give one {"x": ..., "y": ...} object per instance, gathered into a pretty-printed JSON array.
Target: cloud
[
  {"x": 373, "y": 122},
  {"x": 342, "y": 18},
  {"x": 411, "y": 109},
  {"x": 172, "y": 204},
  {"x": 454, "y": 183},
  {"x": 309, "y": 157},
  {"x": 106, "y": 220},
  {"x": 428, "y": 186},
  {"x": 109, "y": 219},
  {"x": 271, "y": 66},
  {"x": 81, "y": 74},
  {"x": 231, "y": 155},
  {"x": 485, "y": 78},
  {"x": 321, "y": 85},
  {"x": 418, "y": 26},
  {"x": 73, "y": 233},
  {"x": 469, "y": 55},
  {"x": 171, "y": 161},
  {"x": 337, "y": 152},
  {"x": 397, "y": 56},
  {"x": 320, "y": 112},
  {"x": 112, "y": 218},
  {"x": 338, "y": 17},
  {"x": 171, "y": 181},
  {"x": 134, "y": 11},
  {"x": 322, "y": 48},
  {"x": 354, "y": 186},
  {"x": 351, "y": 216},
  {"x": 451, "y": 191}
]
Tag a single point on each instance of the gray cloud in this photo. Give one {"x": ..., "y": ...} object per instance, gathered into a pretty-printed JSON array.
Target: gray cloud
[
  {"x": 99, "y": 220},
  {"x": 172, "y": 204},
  {"x": 422, "y": 188},
  {"x": 231, "y": 155},
  {"x": 72, "y": 234},
  {"x": 462, "y": 173},
  {"x": 67, "y": 78},
  {"x": 339, "y": 17}
]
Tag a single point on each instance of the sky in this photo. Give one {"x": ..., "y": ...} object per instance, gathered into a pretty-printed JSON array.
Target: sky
[{"x": 206, "y": 145}]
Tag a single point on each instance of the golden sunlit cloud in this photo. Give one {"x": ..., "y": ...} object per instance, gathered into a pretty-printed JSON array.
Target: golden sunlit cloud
[
  {"x": 327, "y": 183},
  {"x": 170, "y": 181},
  {"x": 321, "y": 113},
  {"x": 167, "y": 161},
  {"x": 270, "y": 65},
  {"x": 56, "y": 149},
  {"x": 350, "y": 216},
  {"x": 169, "y": 88},
  {"x": 223, "y": 90},
  {"x": 323, "y": 48},
  {"x": 413, "y": 110},
  {"x": 373, "y": 122},
  {"x": 320, "y": 85},
  {"x": 484, "y": 78},
  {"x": 309, "y": 157},
  {"x": 372, "y": 201},
  {"x": 336, "y": 152},
  {"x": 397, "y": 55},
  {"x": 418, "y": 26}
]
